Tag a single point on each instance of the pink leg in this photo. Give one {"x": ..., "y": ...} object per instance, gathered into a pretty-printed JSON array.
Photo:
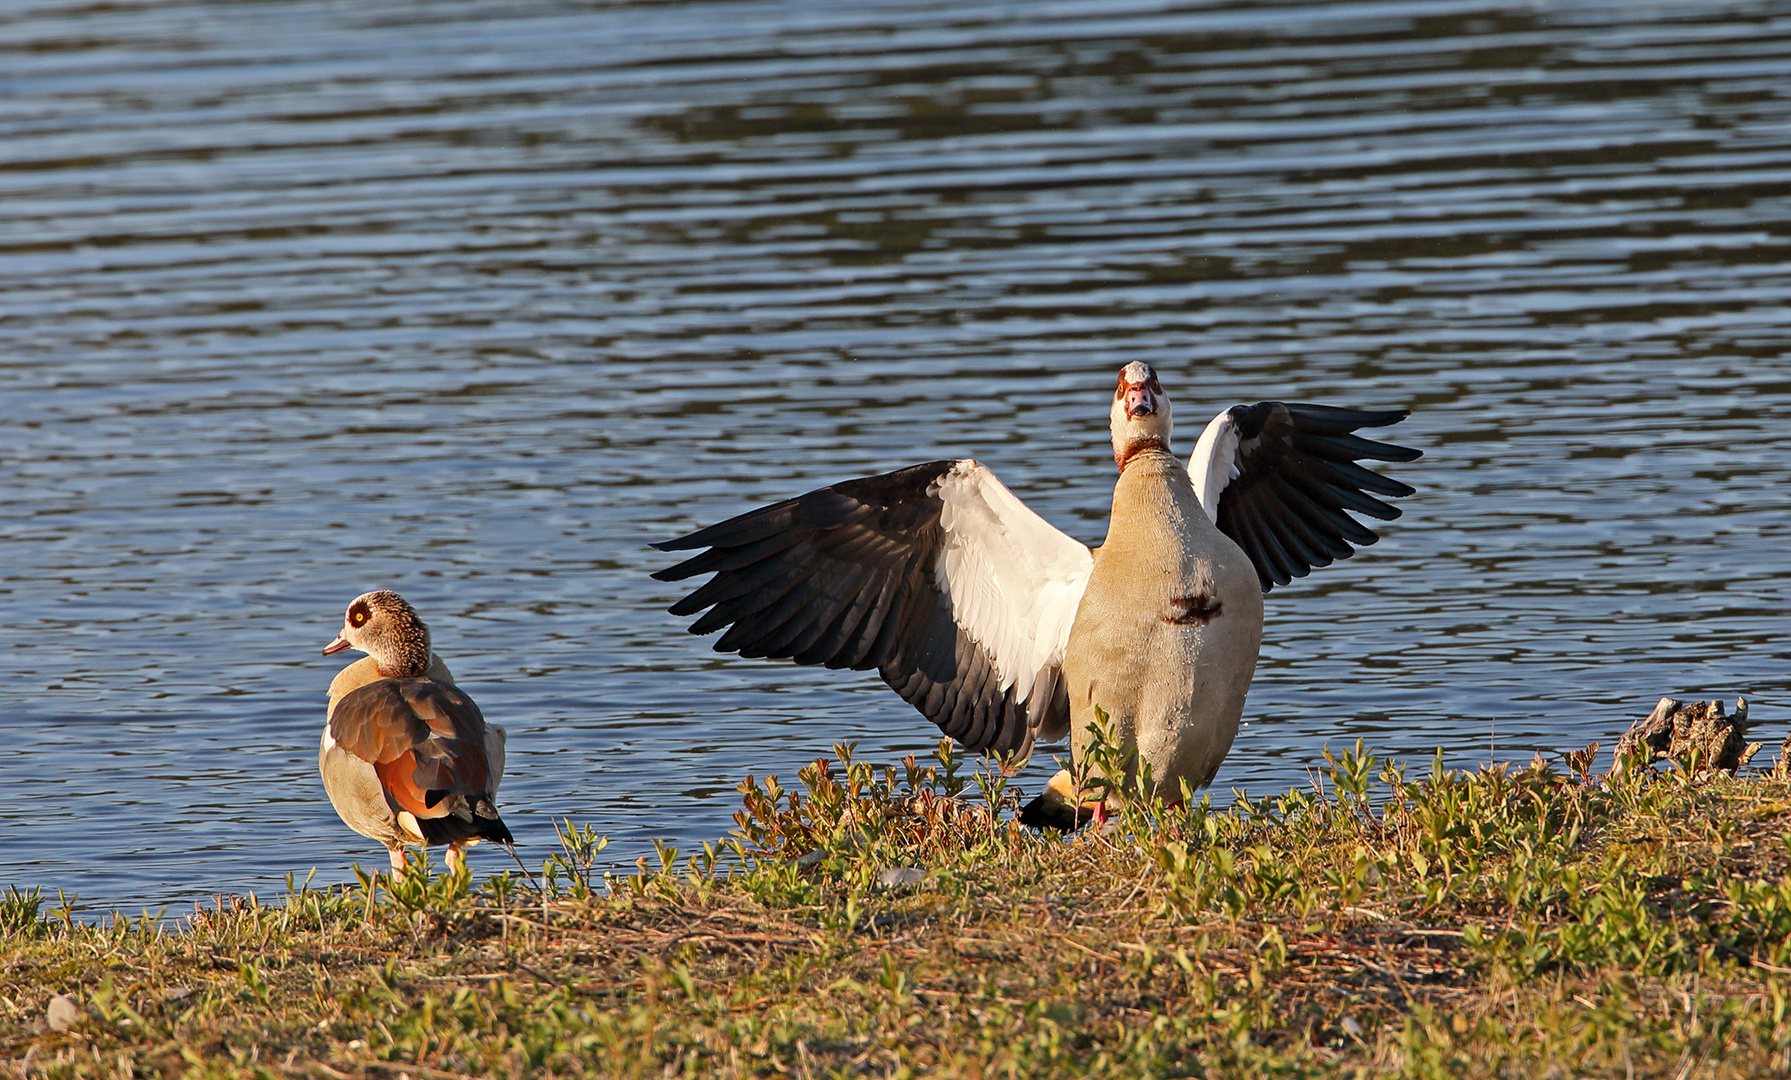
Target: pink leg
[
  {"x": 1101, "y": 817},
  {"x": 398, "y": 860},
  {"x": 456, "y": 858}
]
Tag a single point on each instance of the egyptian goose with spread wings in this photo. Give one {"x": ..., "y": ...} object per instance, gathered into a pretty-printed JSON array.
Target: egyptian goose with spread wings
[
  {"x": 1002, "y": 630},
  {"x": 406, "y": 757}
]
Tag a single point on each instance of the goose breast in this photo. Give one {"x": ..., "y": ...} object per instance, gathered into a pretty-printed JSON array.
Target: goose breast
[{"x": 1166, "y": 638}]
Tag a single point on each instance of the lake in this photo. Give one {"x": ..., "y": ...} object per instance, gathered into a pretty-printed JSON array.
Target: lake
[{"x": 476, "y": 300}]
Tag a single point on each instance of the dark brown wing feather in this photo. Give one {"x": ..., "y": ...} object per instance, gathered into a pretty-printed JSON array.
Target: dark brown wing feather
[
  {"x": 844, "y": 577},
  {"x": 426, "y": 741},
  {"x": 1297, "y": 475}
]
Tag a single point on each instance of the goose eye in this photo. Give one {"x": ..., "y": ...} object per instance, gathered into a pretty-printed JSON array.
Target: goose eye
[{"x": 357, "y": 617}]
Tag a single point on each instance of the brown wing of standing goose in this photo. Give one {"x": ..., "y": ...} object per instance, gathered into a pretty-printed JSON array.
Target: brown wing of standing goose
[{"x": 426, "y": 740}]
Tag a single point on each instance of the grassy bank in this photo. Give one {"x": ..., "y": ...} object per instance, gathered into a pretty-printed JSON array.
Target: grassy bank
[{"x": 1508, "y": 922}]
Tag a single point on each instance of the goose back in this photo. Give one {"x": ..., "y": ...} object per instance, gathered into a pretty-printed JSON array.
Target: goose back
[
  {"x": 410, "y": 761},
  {"x": 366, "y": 670}
]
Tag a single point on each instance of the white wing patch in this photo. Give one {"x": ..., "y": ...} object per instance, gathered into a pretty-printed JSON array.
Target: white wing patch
[
  {"x": 1215, "y": 462},
  {"x": 1013, "y": 580}
]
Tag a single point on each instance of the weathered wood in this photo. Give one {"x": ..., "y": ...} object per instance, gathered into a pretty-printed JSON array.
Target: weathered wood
[{"x": 1696, "y": 733}]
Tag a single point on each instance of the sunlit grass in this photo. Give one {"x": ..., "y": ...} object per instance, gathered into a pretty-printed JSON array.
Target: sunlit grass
[{"x": 1527, "y": 922}]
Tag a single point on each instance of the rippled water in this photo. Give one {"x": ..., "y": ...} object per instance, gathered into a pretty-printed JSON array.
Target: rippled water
[{"x": 475, "y": 300}]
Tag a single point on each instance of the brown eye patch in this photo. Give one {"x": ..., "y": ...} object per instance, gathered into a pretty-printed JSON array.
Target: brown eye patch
[{"x": 358, "y": 615}]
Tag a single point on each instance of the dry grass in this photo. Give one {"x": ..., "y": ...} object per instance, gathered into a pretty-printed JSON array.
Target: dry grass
[{"x": 1523, "y": 924}]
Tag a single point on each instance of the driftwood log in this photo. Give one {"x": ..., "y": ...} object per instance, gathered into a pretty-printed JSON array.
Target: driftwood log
[{"x": 1696, "y": 733}]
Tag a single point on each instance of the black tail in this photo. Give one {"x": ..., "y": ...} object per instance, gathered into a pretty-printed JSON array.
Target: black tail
[
  {"x": 1048, "y": 811},
  {"x": 487, "y": 823},
  {"x": 453, "y": 829}
]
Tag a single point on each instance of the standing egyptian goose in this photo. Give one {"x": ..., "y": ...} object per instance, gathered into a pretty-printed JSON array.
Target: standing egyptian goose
[
  {"x": 406, "y": 757},
  {"x": 1002, "y": 630}
]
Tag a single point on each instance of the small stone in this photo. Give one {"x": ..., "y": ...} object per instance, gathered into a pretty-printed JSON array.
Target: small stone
[
  {"x": 63, "y": 1012},
  {"x": 897, "y": 877},
  {"x": 1350, "y": 1027}
]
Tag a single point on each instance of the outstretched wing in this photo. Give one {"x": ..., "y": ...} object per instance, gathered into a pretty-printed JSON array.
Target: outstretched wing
[
  {"x": 1277, "y": 478},
  {"x": 934, "y": 575}
]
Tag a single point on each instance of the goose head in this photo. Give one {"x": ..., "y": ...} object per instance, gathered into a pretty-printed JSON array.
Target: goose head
[
  {"x": 385, "y": 627},
  {"x": 1140, "y": 413}
]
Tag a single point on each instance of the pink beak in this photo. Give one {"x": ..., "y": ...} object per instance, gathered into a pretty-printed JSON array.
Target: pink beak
[
  {"x": 1139, "y": 400},
  {"x": 336, "y": 646}
]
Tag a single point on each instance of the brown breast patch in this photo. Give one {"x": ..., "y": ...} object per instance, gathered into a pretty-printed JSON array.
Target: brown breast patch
[{"x": 1196, "y": 610}]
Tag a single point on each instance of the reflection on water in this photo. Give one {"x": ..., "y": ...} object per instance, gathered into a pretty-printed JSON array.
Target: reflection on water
[{"x": 475, "y": 301}]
